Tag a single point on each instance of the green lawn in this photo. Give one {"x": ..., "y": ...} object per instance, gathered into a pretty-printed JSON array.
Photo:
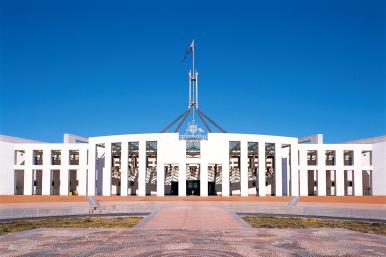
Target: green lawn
[
  {"x": 88, "y": 222},
  {"x": 282, "y": 222}
]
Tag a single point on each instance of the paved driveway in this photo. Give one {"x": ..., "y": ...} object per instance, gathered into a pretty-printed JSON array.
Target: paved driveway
[{"x": 194, "y": 215}]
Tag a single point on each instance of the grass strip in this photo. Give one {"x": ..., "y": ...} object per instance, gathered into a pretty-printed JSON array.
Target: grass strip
[
  {"x": 284, "y": 222},
  {"x": 84, "y": 222}
]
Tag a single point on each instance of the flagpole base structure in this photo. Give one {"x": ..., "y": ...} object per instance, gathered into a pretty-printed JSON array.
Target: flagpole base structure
[{"x": 203, "y": 117}]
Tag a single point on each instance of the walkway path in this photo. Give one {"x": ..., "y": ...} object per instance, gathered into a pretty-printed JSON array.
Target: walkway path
[{"x": 194, "y": 215}]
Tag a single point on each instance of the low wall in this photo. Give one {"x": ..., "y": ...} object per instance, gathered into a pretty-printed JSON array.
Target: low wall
[
  {"x": 333, "y": 212},
  {"x": 48, "y": 211}
]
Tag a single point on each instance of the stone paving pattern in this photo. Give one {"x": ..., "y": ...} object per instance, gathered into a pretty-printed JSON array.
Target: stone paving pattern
[
  {"x": 191, "y": 228},
  {"x": 180, "y": 242}
]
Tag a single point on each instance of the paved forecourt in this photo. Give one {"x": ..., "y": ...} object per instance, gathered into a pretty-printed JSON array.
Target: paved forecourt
[
  {"x": 343, "y": 207},
  {"x": 192, "y": 229},
  {"x": 179, "y": 242}
]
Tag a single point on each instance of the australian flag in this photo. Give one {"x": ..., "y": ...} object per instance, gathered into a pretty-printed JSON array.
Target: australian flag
[{"x": 189, "y": 50}]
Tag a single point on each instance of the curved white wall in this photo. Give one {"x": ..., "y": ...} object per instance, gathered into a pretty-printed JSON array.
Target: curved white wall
[{"x": 291, "y": 167}]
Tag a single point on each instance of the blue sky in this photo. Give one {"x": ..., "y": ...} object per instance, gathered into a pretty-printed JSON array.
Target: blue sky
[{"x": 290, "y": 68}]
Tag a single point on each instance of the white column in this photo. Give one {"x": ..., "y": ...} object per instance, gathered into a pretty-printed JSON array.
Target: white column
[
  {"x": 339, "y": 173},
  {"x": 91, "y": 169},
  {"x": 244, "y": 168},
  {"x": 278, "y": 170},
  {"x": 225, "y": 168},
  {"x": 203, "y": 179},
  {"x": 303, "y": 173},
  {"x": 124, "y": 167},
  {"x": 225, "y": 174},
  {"x": 28, "y": 172},
  {"x": 64, "y": 180},
  {"x": 142, "y": 168},
  {"x": 160, "y": 178},
  {"x": 46, "y": 173},
  {"x": 107, "y": 170},
  {"x": 357, "y": 179},
  {"x": 286, "y": 168},
  {"x": 82, "y": 172},
  {"x": 182, "y": 178},
  {"x": 321, "y": 172},
  {"x": 160, "y": 170},
  {"x": 294, "y": 169},
  {"x": 82, "y": 181},
  {"x": 261, "y": 168}
]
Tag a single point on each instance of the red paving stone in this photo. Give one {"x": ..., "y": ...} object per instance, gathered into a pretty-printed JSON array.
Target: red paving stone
[
  {"x": 50, "y": 205},
  {"x": 303, "y": 199},
  {"x": 56, "y": 198},
  {"x": 195, "y": 198},
  {"x": 343, "y": 205},
  {"x": 345, "y": 199},
  {"x": 40, "y": 198},
  {"x": 191, "y": 215}
]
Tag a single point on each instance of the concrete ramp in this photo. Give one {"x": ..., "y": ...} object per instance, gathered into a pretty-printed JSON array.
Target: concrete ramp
[{"x": 94, "y": 205}]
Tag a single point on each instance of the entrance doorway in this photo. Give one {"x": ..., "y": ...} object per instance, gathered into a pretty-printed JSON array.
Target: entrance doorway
[
  {"x": 212, "y": 188},
  {"x": 55, "y": 182},
  {"x": 193, "y": 187},
  {"x": 171, "y": 179},
  {"x": 19, "y": 182},
  {"x": 174, "y": 188},
  {"x": 214, "y": 179},
  {"x": 193, "y": 179},
  {"x": 73, "y": 182},
  {"x": 37, "y": 182}
]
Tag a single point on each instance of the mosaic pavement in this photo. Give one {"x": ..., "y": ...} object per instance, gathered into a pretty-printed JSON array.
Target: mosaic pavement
[
  {"x": 180, "y": 242},
  {"x": 192, "y": 229}
]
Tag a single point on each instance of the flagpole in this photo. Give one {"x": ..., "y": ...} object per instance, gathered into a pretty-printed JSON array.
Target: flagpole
[
  {"x": 193, "y": 128},
  {"x": 193, "y": 59},
  {"x": 193, "y": 82},
  {"x": 190, "y": 90},
  {"x": 196, "y": 82}
]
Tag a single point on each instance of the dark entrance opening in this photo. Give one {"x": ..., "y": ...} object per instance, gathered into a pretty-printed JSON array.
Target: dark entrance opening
[
  {"x": 19, "y": 182},
  {"x": 212, "y": 188},
  {"x": 37, "y": 182},
  {"x": 193, "y": 187},
  {"x": 55, "y": 182},
  {"x": 174, "y": 188}
]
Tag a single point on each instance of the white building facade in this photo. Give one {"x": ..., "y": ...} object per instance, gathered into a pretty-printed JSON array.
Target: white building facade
[{"x": 162, "y": 164}]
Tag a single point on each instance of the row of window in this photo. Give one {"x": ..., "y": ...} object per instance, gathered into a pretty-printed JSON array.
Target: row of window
[
  {"x": 312, "y": 156},
  {"x": 330, "y": 158},
  {"x": 55, "y": 157}
]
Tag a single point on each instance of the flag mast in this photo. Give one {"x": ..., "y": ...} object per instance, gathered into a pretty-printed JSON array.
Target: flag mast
[
  {"x": 192, "y": 46},
  {"x": 193, "y": 104},
  {"x": 193, "y": 92}
]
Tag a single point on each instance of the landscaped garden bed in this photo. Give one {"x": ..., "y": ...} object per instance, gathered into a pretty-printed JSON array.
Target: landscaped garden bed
[
  {"x": 74, "y": 222},
  {"x": 285, "y": 222}
]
